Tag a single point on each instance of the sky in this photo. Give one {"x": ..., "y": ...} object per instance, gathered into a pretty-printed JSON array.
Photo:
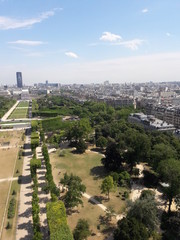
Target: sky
[{"x": 89, "y": 41}]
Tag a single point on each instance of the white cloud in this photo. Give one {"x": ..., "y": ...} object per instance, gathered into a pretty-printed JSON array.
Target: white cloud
[
  {"x": 12, "y": 23},
  {"x": 27, "y": 42},
  {"x": 110, "y": 37},
  {"x": 131, "y": 44},
  {"x": 145, "y": 10},
  {"x": 71, "y": 54}
]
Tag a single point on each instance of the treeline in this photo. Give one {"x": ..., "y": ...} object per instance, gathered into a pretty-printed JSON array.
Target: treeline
[
  {"x": 57, "y": 222},
  {"x": 51, "y": 186},
  {"x": 52, "y": 106},
  {"x": 34, "y": 165}
]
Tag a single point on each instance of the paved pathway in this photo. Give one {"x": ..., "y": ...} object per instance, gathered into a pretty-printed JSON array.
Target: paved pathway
[
  {"x": 24, "y": 230},
  {"x": 8, "y": 179},
  {"x": 43, "y": 198}
]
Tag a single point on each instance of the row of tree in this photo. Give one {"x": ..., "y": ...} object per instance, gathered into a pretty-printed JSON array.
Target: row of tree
[
  {"x": 51, "y": 186},
  {"x": 34, "y": 165}
]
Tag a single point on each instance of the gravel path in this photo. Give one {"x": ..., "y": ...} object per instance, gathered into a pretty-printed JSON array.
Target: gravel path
[{"x": 24, "y": 230}]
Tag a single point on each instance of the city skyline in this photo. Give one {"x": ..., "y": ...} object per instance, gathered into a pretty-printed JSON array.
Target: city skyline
[{"x": 89, "y": 41}]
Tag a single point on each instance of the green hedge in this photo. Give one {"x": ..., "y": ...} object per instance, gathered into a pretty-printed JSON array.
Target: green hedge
[
  {"x": 53, "y": 124},
  {"x": 12, "y": 207},
  {"x": 34, "y": 164},
  {"x": 56, "y": 216},
  {"x": 34, "y": 125},
  {"x": 34, "y": 140},
  {"x": 51, "y": 186}
]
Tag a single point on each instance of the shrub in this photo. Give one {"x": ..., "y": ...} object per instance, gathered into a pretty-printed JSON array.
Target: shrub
[{"x": 12, "y": 207}]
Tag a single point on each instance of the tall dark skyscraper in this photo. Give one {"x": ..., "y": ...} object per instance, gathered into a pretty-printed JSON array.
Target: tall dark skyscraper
[{"x": 19, "y": 79}]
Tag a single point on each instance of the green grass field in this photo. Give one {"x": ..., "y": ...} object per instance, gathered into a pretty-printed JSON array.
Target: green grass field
[
  {"x": 19, "y": 113},
  {"x": 89, "y": 168},
  {"x": 23, "y": 104}
]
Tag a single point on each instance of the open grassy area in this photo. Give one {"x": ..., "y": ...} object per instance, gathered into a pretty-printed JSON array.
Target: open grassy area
[
  {"x": 89, "y": 168},
  {"x": 23, "y": 104},
  {"x": 91, "y": 213},
  {"x": 8, "y": 168},
  {"x": 19, "y": 113}
]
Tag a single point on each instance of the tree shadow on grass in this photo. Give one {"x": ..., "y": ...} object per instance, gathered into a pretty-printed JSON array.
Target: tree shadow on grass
[
  {"x": 97, "y": 198},
  {"x": 98, "y": 172},
  {"x": 99, "y": 150}
]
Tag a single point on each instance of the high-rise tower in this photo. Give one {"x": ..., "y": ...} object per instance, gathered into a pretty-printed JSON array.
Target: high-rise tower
[{"x": 19, "y": 79}]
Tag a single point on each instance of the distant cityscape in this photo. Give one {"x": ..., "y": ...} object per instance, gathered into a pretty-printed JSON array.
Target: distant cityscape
[{"x": 161, "y": 100}]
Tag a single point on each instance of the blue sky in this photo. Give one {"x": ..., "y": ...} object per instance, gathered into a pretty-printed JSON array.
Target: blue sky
[{"x": 85, "y": 41}]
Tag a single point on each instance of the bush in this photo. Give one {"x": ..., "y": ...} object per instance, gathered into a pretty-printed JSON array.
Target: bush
[
  {"x": 12, "y": 207},
  {"x": 8, "y": 226},
  {"x": 126, "y": 194},
  {"x": 81, "y": 231}
]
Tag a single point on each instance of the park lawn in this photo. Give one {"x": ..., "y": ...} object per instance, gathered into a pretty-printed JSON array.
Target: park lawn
[
  {"x": 11, "y": 233},
  {"x": 14, "y": 138},
  {"x": 91, "y": 213},
  {"x": 23, "y": 104},
  {"x": 7, "y": 162},
  {"x": 19, "y": 113},
  {"x": 81, "y": 165},
  {"x": 4, "y": 187},
  {"x": 89, "y": 168}
]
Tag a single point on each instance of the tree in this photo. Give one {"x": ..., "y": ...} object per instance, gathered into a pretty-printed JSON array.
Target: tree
[
  {"x": 113, "y": 156},
  {"x": 161, "y": 152},
  {"x": 81, "y": 232},
  {"x": 124, "y": 178},
  {"x": 75, "y": 190},
  {"x": 145, "y": 211},
  {"x": 101, "y": 142},
  {"x": 171, "y": 225},
  {"x": 81, "y": 146},
  {"x": 147, "y": 194},
  {"x": 169, "y": 172},
  {"x": 107, "y": 185},
  {"x": 78, "y": 130},
  {"x": 130, "y": 229}
]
